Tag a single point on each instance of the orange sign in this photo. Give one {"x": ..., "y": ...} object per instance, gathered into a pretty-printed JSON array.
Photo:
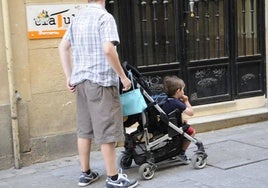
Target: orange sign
[{"x": 50, "y": 21}]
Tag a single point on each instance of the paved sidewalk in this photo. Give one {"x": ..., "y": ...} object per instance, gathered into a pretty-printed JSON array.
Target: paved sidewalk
[{"x": 237, "y": 157}]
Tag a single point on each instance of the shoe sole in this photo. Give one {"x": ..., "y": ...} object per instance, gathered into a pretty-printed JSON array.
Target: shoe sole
[
  {"x": 86, "y": 184},
  {"x": 131, "y": 186},
  {"x": 134, "y": 185}
]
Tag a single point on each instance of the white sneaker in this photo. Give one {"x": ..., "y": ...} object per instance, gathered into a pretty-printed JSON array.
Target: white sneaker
[{"x": 121, "y": 182}]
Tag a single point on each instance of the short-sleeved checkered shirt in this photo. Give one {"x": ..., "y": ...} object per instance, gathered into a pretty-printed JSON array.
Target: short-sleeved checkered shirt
[{"x": 89, "y": 29}]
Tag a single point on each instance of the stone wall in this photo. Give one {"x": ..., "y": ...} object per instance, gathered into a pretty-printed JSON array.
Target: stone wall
[{"x": 46, "y": 110}]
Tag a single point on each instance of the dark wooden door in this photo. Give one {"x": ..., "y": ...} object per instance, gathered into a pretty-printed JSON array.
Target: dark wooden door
[{"x": 215, "y": 46}]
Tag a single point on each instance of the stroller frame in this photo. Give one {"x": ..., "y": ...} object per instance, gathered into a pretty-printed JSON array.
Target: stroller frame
[{"x": 149, "y": 161}]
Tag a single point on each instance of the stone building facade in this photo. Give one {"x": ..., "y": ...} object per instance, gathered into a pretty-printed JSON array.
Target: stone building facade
[{"x": 37, "y": 113}]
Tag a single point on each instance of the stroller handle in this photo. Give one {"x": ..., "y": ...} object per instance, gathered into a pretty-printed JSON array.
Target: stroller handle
[
  {"x": 127, "y": 67},
  {"x": 138, "y": 77}
]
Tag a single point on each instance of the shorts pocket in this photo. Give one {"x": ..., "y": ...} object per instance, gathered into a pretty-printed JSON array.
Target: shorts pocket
[{"x": 94, "y": 92}]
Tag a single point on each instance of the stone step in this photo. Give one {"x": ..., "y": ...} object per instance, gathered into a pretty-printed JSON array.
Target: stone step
[{"x": 230, "y": 119}]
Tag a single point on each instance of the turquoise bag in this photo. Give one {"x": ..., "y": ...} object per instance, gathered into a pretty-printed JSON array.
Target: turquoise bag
[{"x": 132, "y": 101}]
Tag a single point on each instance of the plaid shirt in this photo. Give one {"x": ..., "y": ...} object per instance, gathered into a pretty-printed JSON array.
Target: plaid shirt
[{"x": 89, "y": 29}]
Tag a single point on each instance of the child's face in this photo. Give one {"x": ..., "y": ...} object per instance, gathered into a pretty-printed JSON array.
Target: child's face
[{"x": 180, "y": 92}]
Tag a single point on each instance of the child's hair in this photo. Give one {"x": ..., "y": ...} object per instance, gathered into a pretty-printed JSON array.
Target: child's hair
[{"x": 171, "y": 84}]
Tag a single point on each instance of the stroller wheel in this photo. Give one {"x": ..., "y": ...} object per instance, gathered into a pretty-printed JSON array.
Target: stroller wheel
[
  {"x": 124, "y": 161},
  {"x": 146, "y": 171},
  {"x": 199, "y": 160}
]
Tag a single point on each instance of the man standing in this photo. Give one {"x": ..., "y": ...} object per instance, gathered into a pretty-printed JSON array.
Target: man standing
[{"x": 93, "y": 76}]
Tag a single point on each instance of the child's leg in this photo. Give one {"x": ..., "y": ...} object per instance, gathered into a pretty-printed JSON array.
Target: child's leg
[{"x": 186, "y": 143}]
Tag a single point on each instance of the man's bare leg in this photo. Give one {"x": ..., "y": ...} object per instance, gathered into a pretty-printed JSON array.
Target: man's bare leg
[
  {"x": 109, "y": 155},
  {"x": 84, "y": 147}
]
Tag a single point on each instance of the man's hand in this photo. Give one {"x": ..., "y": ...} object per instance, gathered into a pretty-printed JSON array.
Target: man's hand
[
  {"x": 126, "y": 83},
  {"x": 70, "y": 87}
]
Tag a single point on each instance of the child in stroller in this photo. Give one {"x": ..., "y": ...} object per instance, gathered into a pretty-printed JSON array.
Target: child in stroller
[
  {"x": 158, "y": 138},
  {"x": 178, "y": 102}
]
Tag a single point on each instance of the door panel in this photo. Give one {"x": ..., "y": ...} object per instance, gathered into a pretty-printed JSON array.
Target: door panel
[
  {"x": 209, "y": 83},
  {"x": 249, "y": 75},
  {"x": 206, "y": 29},
  {"x": 247, "y": 36},
  {"x": 154, "y": 32},
  {"x": 249, "y": 57},
  {"x": 208, "y": 59}
]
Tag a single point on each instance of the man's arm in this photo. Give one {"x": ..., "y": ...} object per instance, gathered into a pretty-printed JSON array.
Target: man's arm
[
  {"x": 65, "y": 57},
  {"x": 113, "y": 59}
]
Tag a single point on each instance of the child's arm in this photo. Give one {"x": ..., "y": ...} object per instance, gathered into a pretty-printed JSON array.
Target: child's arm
[{"x": 189, "y": 110}]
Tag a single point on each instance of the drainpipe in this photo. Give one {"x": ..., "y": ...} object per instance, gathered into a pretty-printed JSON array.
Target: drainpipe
[{"x": 12, "y": 92}]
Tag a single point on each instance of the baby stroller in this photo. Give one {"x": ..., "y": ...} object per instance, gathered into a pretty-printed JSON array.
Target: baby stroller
[{"x": 158, "y": 137}]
